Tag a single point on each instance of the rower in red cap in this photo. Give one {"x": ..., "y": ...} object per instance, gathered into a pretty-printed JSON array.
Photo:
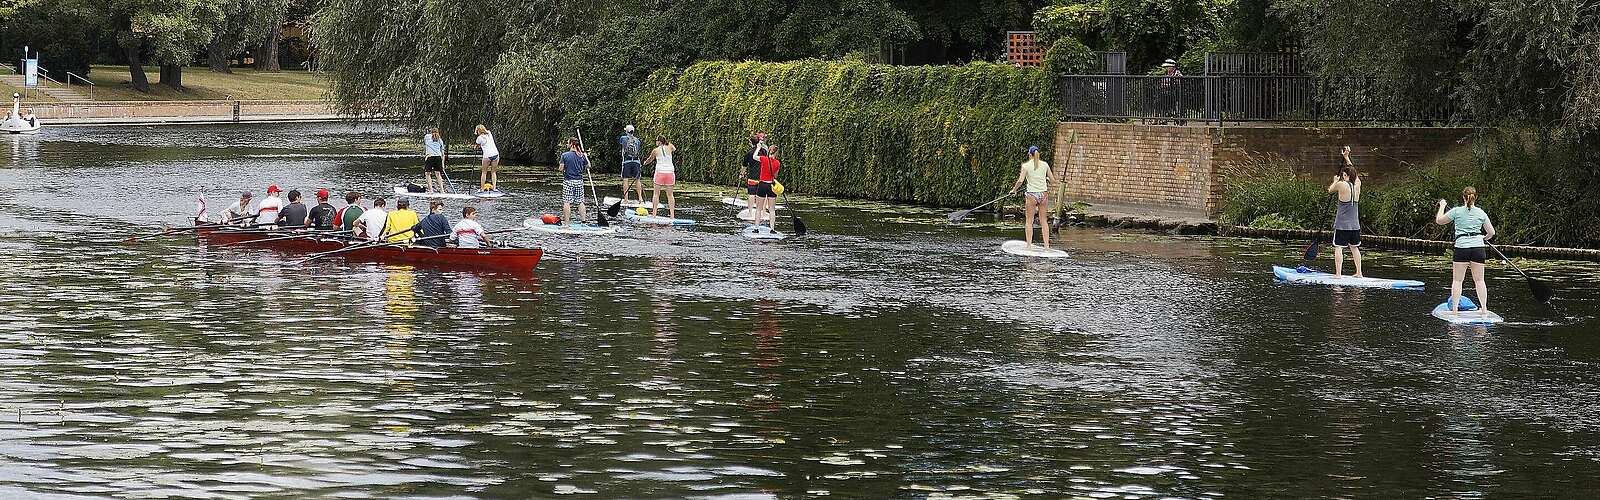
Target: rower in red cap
[
  {"x": 267, "y": 211},
  {"x": 321, "y": 216}
]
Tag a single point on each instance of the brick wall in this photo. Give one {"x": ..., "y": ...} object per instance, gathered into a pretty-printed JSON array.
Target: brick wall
[
  {"x": 175, "y": 109},
  {"x": 1179, "y": 169}
]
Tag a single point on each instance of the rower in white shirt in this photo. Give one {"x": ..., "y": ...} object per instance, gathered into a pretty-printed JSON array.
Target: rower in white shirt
[
  {"x": 239, "y": 210},
  {"x": 267, "y": 211},
  {"x": 469, "y": 233},
  {"x": 372, "y": 221}
]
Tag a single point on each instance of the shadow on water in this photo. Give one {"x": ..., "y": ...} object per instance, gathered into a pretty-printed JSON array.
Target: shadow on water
[{"x": 887, "y": 354}]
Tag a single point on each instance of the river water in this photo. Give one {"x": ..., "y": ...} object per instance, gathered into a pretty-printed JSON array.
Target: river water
[{"x": 887, "y": 354}]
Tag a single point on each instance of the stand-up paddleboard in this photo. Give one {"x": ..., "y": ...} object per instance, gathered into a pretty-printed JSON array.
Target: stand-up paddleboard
[
  {"x": 1466, "y": 313},
  {"x": 741, "y": 202},
  {"x": 762, "y": 233},
  {"x": 748, "y": 214},
  {"x": 401, "y": 191},
  {"x": 534, "y": 224},
  {"x": 1019, "y": 247},
  {"x": 612, "y": 200},
  {"x": 1313, "y": 277},
  {"x": 496, "y": 193},
  {"x": 655, "y": 220}
]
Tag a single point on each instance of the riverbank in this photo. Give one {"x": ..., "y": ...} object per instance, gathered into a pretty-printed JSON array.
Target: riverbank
[{"x": 187, "y": 112}]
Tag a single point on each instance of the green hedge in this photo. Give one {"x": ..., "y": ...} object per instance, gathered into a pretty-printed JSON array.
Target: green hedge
[{"x": 943, "y": 135}]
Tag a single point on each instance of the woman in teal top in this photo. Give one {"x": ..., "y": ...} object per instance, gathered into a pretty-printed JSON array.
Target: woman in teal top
[{"x": 1472, "y": 227}]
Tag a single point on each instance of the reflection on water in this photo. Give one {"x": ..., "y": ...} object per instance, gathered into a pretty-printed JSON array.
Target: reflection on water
[{"x": 886, "y": 355}]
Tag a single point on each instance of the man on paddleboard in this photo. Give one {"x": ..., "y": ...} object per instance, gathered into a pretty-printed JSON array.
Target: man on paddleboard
[
  {"x": 573, "y": 163},
  {"x": 1472, "y": 230},
  {"x": 1347, "y": 216},
  {"x": 632, "y": 166}
]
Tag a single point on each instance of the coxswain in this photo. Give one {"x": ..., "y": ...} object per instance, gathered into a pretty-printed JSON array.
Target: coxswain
[
  {"x": 293, "y": 214},
  {"x": 239, "y": 210},
  {"x": 400, "y": 221},
  {"x": 321, "y": 216},
  {"x": 373, "y": 221},
  {"x": 267, "y": 210},
  {"x": 435, "y": 224},
  {"x": 347, "y": 215},
  {"x": 469, "y": 233}
]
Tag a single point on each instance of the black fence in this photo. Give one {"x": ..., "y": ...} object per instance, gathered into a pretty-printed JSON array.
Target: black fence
[{"x": 1243, "y": 98}]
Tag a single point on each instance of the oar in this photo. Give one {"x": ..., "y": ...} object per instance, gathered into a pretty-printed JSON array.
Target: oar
[
  {"x": 615, "y": 209},
  {"x": 174, "y": 230},
  {"x": 600, "y": 212},
  {"x": 381, "y": 244},
  {"x": 957, "y": 216},
  {"x": 1541, "y": 291},
  {"x": 794, "y": 218},
  {"x": 289, "y": 237}
]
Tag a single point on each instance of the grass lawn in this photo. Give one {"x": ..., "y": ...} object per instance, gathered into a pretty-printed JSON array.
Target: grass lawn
[{"x": 113, "y": 84}]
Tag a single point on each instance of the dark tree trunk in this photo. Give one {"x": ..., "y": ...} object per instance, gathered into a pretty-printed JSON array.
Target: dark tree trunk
[
  {"x": 172, "y": 76},
  {"x": 217, "y": 58},
  {"x": 136, "y": 70},
  {"x": 267, "y": 55}
]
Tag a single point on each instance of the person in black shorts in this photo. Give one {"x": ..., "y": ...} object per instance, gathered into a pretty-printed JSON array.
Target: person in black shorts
[
  {"x": 752, "y": 167},
  {"x": 632, "y": 167},
  {"x": 433, "y": 160}
]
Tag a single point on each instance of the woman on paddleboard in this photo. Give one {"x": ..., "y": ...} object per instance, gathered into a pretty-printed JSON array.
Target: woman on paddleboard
[
  {"x": 1347, "y": 216},
  {"x": 1472, "y": 228},
  {"x": 433, "y": 159},
  {"x": 666, "y": 176},
  {"x": 1036, "y": 173},
  {"x": 490, "y": 174}
]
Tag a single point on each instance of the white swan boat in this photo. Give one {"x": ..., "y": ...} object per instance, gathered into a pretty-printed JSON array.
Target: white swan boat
[{"x": 16, "y": 123}]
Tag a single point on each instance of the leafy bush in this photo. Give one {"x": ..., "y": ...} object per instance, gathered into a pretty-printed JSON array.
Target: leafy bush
[
  {"x": 1272, "y": 188},
  {"x": 1275, "y": 221},
  {"x": 945, "y": 135},
  {"x": 1068, "y": 56}
]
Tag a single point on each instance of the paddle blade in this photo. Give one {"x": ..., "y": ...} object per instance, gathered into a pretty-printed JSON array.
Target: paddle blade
[
  {"x": 1313, "y": 249},
  {"x": 1541, "y": 291},
  {"x": 957, "y": 216},
  {"x": 799, "y": 225},
  {"x": 615, "y": 209},
  {"x": 600, "y": 219}
]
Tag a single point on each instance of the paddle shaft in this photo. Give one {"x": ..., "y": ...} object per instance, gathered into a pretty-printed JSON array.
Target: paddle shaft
[
  {"x": 381, "y": 244},
  {"x": 290, "y": 237},
  {"x": 967, "y": 212}
]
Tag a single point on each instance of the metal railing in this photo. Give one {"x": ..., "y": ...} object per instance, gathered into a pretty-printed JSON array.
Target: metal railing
[
  {"x": 1243, "y": 98},
  {"x": 86, "y": 83}
]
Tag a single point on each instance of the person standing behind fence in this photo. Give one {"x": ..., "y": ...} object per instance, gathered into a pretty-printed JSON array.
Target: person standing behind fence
[{"x": 1168, "y": 103}]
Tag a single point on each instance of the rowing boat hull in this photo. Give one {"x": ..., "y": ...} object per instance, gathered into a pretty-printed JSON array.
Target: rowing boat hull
[{"x": 521, "y": 260}]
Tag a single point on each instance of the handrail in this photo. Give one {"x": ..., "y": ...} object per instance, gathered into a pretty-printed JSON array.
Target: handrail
[{"x": 71, "y": 75}]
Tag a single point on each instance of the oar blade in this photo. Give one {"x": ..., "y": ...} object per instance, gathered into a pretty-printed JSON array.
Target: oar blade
[
  {"x": 957, "y": 216},
  {"x": 799, "y": 225},
  {"x": 614, "y": 210},
  {"x": 1313, "y": 249}
]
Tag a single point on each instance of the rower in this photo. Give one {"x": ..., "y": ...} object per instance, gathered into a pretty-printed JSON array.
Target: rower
[
  {"x": 469, "y": 233},
  {"x": 401, "y": 221},
  {"x": 372, "y": 221},
  {"x": 293, "y": 215},
  {"x": 346, "y": 217},
  {"x": 321, "y": 216},
  {"x": 239, "y": 210},
  {"x": 267, "y": 211},
  {"x": 435, "y": 224}
]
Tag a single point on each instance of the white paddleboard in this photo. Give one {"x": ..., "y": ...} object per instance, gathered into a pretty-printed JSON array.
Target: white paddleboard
[
  {"x": 489, "y": 194},
  {"x": 1473, "y": 317},
  {"x": 762, "y": 233},
  {"x": 1312, "y": 277},
  {"x": 741, "y": 202},
  {"x": 534, "y": 224},
  {"x": 655, "y": 220},
  {"x": 612, "y": 200},
  {"x": 1019, "y": 247},
  {"x": 401, "y": 191}
]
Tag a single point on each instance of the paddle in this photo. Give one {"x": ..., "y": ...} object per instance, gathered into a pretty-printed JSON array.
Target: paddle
[
  {"x": 382, "y": 244},
  {"x": 289, "y": 237},
  {"x": 615, "y": 209},
  {"x": 171, "y": 230},
  {"x": 1541, "y": 291},
  {"x": 957, "y": 216},
  {"x": 600, "y": 212},
  {"x": 794, "y": 218}
]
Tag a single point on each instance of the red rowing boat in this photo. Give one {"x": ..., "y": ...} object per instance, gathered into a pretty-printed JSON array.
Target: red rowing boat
[{"x": 519, "y": 260}]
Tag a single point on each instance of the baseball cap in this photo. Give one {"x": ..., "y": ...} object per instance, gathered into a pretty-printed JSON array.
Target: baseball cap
[
  {"x": 1033, "y": 149},
  {"x": 322, "y": 193},
  {"x": 627, "y": 128},
  {"x": 273, "y": 189},
  {"x": 1169, "y": 62}
]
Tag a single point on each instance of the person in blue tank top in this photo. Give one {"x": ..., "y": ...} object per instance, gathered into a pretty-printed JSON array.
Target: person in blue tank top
[
  {"x": 1347, "y": 216},
  {"x": 1472, "y": 229}
]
